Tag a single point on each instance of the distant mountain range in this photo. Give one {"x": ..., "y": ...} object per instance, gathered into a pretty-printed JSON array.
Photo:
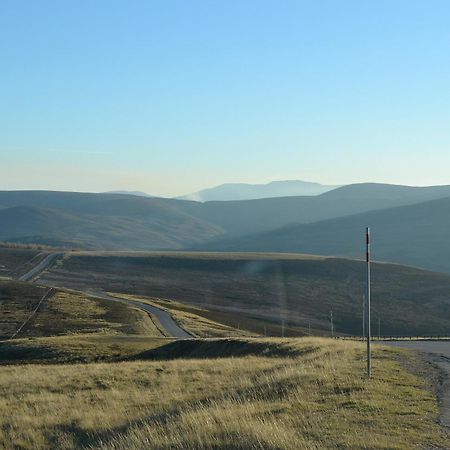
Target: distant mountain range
[
  {"x": 244, "y": 191},
  {"x": 411, "y": 225}
]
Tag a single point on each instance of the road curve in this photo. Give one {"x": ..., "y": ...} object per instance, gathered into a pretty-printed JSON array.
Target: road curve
[
  {"x": 170, "y": 327},
  {"x": 40, "y": 267},
  {"x": 164, "y": 318}
]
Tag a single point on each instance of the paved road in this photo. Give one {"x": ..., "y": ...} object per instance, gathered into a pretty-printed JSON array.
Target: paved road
[
  {"x": 40, "y": 267},
  {"x": 164, "y": 318},
  {"x": 439, "y": 353},
  {"x": 171, "y": 328}
]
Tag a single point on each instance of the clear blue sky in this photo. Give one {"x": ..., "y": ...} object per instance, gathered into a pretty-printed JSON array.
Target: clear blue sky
[{"x": 173, "y": 96}]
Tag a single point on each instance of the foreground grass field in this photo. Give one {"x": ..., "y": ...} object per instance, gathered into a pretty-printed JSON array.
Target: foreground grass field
[{"x": 305, "y": 393}]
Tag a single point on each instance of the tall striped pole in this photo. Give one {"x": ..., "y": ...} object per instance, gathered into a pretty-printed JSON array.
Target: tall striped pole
[{"x": 369, "y": 355}]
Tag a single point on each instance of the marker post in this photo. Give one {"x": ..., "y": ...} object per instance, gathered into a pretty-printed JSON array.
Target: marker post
[{"x": 368, "y": 334}]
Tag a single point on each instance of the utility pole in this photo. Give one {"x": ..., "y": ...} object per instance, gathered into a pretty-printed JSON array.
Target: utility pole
[
  {"x": 282, "y": 328},
  {"x": 331, "y": 323},
  {"x": 369, "y": 355},
  {"x": 309, "y": 328},
  {"x": 364, "y": 317},
  {"x": 379, "y": 328}
]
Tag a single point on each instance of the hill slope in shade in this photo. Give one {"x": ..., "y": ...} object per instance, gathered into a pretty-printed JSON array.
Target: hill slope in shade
[
  {"x": 93, "y": 221},
  {"x": 301, "y": 290},
  {"x": 417, "y": 235},
  {"x": 245, "y": 191},
  {"x": 128, "y": 222},
  {"x": 252, "y": 216}
]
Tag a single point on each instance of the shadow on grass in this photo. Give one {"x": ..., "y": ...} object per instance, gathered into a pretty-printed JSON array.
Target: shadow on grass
[
  {"x": 221, "y": 348},
  {"x": 29, "y": 352},
  {"x": 11, "y": 353}
]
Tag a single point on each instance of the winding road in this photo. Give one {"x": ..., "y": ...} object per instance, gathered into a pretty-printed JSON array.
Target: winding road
[
  {"x": 171, "y": 328},
  {"x": 164, "y": 318}
]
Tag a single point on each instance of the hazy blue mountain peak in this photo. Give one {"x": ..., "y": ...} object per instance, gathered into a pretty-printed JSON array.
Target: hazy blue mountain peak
[{"x": 247, "y": 191}]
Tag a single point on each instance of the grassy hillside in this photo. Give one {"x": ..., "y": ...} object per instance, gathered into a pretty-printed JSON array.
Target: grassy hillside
[
  {"x": 301, "y": 290},
  {"x": 64, "y": 313},
  {"x": 202, "y": 322},
  {"x": 70, "y": 326},
  {"x": 14, "y": 261},
  {"x": 270, "y": 394},
  {"x": 128, "y": 222},
  {"x": 415, "y": 235},
  {"x": 17, "y": 301},
  {"x": 87, "y": 373},
  {"x": 77, "y": 348}
]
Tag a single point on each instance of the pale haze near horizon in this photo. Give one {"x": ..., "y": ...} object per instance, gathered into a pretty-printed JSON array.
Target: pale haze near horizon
[{"x": 171, "y": 98}]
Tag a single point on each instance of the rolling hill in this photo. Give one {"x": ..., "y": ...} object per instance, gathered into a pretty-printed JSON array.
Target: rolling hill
[
  {"x": 93, "y": 221},
  {"x": 252, "y": 216},
  {"x": 299, "y": 289},
  {"x": 416, "y": 235},
  {"x": 128, "y": 222}
]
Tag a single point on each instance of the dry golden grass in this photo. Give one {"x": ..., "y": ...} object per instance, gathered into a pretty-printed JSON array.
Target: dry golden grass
[
  {"x": 190, "y": 320},
  {"x": 17, "y": 301},
  {"x": 202, "y": 327},
  {"x": 300, "y": 393},
  {"x": 76, "y": 312},
  {"x": 67, "y": 312}
]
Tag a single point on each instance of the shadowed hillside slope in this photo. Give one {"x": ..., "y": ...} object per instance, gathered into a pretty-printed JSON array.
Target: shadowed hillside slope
[
  {"x": 94, "y": 221},
  {"x": 128, "y": 222},
  {"x": 301, "y": 290},
  {"x": 250, "y": 216},
  {"x": 416, "y": 235}
]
